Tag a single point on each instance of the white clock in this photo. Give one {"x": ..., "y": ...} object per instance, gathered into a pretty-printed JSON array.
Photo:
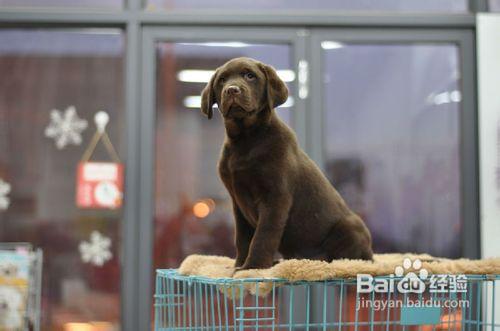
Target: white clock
[{"x": 107, "y": 194}]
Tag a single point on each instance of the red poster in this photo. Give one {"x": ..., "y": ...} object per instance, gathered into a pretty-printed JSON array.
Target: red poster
[{"x": 99, "y": 185}]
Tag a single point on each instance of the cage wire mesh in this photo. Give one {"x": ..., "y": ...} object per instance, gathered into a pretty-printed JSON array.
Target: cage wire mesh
[
  {"x": 199, "y": 303},
  {"x": 20, "y": 287}
]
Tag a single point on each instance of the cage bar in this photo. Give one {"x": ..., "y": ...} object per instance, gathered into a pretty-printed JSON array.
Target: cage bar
[{"x": 200, "y": 303}]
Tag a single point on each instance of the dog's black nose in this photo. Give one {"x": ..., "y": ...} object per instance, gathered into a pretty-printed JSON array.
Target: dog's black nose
[{"x": 233, "y": 90}]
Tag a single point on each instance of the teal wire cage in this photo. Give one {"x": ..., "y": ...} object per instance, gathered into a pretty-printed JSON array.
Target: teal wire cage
[{"x": 200, "y": 303}]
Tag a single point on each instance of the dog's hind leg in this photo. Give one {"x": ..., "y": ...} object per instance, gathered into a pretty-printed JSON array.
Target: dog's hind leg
[{"x": 348, "y": 239}]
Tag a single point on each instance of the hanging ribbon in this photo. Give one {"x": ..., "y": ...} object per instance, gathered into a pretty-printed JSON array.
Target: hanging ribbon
[{"x": 101, "y": 120}]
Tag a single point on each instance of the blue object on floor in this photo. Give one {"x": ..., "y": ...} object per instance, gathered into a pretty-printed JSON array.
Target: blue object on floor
[{"x": 420, "y": 315}]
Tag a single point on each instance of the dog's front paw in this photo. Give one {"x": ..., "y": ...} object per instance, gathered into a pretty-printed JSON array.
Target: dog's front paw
[{"x": 236, "y": 269}]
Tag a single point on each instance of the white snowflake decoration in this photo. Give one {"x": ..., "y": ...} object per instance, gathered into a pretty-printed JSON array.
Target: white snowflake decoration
[
  {"x": 4, "y": 191},
  {"x": 65, "y": 128},
  {"x": 97, "y": 250}
]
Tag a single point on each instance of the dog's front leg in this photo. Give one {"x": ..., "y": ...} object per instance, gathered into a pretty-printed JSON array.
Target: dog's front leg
[
  {"x": 244, "y": 234},
  {"x": 267, "y": 236}
]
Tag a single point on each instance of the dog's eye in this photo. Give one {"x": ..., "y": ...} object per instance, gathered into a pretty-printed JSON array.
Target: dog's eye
[
  {"x": 222, "y": 80},
  {"x": 249, "y": 76}
]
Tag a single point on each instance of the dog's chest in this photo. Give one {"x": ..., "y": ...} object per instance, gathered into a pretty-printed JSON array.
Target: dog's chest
[
  {"x": 239, "y": 172},
  {"x": 241, "y": 176}
]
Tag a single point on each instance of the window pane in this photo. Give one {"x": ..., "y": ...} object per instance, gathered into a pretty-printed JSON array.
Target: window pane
[
  {"x": 391, "y": 138},
  {"x": 495, "y": 5},
  {"x": 44, "y": 70},
  {"x": 193, "y": 211},
  {"x": 300, "y": 5},
  {"x": 62, "y": 3}
]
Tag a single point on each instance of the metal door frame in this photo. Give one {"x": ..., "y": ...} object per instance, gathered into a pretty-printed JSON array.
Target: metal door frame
[
  {"x": 464, "y": 39},
  {"x": 137, "y": 23},
  {"x": 152, "y": 35}
]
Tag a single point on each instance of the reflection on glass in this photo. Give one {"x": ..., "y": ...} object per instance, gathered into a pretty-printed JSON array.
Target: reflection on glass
[
  {"x": 494, "y": 5},
  {"x": 391, "y": 137},
  {"x": 62, "y": 3},
  {"x": 315, "y": 5},
  {"x": 193, "y": 212},
  {"x": 44, "y": 70}
]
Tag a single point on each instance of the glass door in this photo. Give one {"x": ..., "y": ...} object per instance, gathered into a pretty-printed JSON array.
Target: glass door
[
  {"x": 392, "y": 124},
  {"x": 394, "y": 132},
  {"x": 192, "y": 211},
  {"x": 53, "y": 83},
  {"x": 389, "y": 117}
]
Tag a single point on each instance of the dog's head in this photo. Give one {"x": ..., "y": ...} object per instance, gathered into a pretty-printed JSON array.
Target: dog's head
[{"x": 243, "y": 87}]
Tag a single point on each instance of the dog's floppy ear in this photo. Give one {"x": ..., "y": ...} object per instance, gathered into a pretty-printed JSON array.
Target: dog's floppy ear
[
  {"x": 276, "y": 89},
  {"x": 208, "y": 97}
]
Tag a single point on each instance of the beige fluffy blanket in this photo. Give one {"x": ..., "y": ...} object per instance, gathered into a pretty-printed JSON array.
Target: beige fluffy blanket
[{"x": 309, "y": 270}]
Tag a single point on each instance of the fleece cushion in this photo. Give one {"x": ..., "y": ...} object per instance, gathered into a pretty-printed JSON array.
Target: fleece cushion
[{"x": 312, "y": 270}]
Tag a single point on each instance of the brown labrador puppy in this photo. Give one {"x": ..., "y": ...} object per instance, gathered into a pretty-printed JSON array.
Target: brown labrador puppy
[{"x": 281, "y": 200}]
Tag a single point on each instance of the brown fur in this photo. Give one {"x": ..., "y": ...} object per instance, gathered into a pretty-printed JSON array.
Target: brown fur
[{"x": 281, "y": 200}]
